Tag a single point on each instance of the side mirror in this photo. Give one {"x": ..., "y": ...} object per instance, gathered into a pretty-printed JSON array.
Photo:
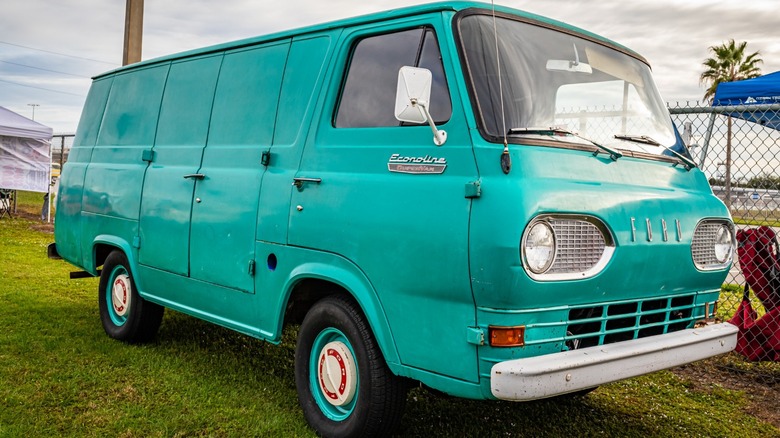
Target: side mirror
[{"x": 412, "y": 99}]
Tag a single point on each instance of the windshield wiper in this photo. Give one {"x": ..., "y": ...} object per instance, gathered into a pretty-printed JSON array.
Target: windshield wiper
[
  {"x": 687, "y": 162},
  {"x": 613, "y": 154}
]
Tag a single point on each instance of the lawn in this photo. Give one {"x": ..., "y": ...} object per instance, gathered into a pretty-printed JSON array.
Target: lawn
[
  {"x": 770, "y": 218},
  {"x": 60, "y": 375}
]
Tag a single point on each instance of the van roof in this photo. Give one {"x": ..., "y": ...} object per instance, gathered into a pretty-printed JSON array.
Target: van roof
[{"x": 392, "y": 14}]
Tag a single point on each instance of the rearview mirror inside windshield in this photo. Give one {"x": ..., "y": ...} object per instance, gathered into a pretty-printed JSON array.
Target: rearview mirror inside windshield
[
  {"x": 569, "y": 66},
  {"x": 574, "y": 66}
]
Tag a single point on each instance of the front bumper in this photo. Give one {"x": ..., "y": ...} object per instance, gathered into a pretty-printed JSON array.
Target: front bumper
[{"x": 570, "y": 371}]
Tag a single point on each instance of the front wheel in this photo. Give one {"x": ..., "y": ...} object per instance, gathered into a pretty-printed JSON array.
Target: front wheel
[
  {"x": 344, "y": 385},
  {"x": 125, "y": 315}
]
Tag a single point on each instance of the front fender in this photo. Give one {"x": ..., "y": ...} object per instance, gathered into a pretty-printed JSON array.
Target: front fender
[
  {"x": 299, "y": 264},
  {"x": 356, "y": 284}
]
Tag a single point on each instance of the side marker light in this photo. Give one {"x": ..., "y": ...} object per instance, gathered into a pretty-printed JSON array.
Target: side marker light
[{"x": 506, "y": 336}]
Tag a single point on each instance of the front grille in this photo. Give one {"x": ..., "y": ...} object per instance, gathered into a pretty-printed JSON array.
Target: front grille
[
  {"x": 616, "y": 322},
  {"x": 580, "y": 245},
  {"x": 703, "y": 245}
]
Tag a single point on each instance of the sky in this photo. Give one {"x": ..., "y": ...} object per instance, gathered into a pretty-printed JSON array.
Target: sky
[{"x": 49, "y": 49}]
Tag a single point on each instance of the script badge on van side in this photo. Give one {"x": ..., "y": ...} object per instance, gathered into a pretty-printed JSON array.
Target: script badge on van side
[{"x": 416, "y": 165}]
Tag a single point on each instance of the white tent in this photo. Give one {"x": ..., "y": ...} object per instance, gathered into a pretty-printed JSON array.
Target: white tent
[{"x": 25, "y": 153}]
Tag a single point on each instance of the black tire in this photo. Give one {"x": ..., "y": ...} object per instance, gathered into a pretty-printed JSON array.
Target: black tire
[
  {"x": 377, "y": 395},
  {"x": 124, "y": 314}
]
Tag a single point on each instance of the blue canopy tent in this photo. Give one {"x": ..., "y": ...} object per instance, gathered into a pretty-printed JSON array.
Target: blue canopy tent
[{"x": 755, "y": 98}]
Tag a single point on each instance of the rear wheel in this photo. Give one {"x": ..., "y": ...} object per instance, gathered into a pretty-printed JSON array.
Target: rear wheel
[
  {"x": 124, "y": 314},
  {"x": 344, "y": 385}
]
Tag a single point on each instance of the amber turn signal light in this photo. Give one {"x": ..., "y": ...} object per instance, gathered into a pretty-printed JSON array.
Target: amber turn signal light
[{"x": 506, "y": 336}]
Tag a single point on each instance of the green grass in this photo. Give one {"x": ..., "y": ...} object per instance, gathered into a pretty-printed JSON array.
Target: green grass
[
  {"x": 756, "y": 222},
  {"x": 769, "y": 218},
  {"x": 730, "y": 298},
  {"x": 60, "y": 375}
]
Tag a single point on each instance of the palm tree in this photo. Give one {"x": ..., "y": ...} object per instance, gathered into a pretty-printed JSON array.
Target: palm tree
[{"x": 728, "y": 64}]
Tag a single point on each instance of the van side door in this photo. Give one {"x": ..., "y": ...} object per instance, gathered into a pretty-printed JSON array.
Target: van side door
[
  {"x": 224, "y": 215},
  {"x": 170, "y": 179},
  {"x": 382, "y": 195}
]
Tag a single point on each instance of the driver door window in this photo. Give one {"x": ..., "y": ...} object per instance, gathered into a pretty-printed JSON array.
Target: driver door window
[{"x": 368, "y": 94}]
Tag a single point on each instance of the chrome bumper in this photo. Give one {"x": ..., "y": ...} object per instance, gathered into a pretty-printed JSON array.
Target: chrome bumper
[{"x": 570, "y": 371}]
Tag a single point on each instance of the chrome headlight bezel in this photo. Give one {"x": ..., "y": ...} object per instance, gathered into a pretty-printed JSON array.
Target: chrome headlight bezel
[
  {"x": 713, "y": 244},
  {"x": 539, "y": 247},
  {"x": 583, "y": 245}
]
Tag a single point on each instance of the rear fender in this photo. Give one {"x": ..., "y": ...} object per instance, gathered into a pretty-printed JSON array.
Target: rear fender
[{"x": 98, "y": 256}]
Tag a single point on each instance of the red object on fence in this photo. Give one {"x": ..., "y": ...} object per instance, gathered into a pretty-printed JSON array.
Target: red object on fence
[
  {"x": 759, "y": 338},
  {"x": 757, "y": 249}
]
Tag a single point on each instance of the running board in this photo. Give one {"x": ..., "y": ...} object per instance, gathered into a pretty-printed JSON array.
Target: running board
[{"x": 83, "y": 274}]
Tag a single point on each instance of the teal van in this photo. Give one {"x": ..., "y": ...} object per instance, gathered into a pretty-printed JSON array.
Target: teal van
[{"x": 486, "y": 202}]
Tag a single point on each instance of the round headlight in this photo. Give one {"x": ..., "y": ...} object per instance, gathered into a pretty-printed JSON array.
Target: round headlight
[
  {"x": 539, "y": 247},
  {"x": 724, "y": 244}
]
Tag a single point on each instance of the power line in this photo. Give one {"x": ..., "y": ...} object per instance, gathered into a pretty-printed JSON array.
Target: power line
[
  {"x": 60, "y": 54},
  {"x": 41, "y": 88},
  {"x": 44, "y": 69}
]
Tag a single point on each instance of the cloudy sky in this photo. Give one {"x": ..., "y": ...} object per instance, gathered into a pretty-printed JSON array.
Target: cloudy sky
[{"x": 50, "y": 48}]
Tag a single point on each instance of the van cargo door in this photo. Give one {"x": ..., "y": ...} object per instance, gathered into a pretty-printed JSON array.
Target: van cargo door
[
  {"x": 224, "y": 214},
  {"x": 168, "y": 184}
]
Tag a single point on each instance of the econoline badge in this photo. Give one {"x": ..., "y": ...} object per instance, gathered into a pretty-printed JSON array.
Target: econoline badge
[{"x": 416, "y": 165}]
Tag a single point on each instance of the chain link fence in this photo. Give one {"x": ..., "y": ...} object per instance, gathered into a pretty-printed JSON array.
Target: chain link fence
[
  {"x": 60, "y": 148},
  {"x": 741, "y": 159}
]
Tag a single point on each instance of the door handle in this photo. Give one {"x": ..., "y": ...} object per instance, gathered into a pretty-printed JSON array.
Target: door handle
[
  {"x": 298, "y": 182},
  {"x": 194, "y": 176}
]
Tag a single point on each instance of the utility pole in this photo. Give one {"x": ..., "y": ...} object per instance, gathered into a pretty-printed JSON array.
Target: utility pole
[
  {"x": 134, "y": 30},
  {"x": 33, "y": 105}
]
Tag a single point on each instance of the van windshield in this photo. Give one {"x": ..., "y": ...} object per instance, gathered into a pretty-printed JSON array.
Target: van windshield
[{"x": 555, "y": 82}]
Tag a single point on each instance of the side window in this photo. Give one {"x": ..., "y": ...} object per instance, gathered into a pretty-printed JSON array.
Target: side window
[
  {"x": 368, "y": 95},
  {"x": 430, "y": 58}
]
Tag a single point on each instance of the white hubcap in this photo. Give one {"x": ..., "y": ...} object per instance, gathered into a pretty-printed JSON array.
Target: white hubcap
[
  {"x": 120, "y": 294},
  {"x": 336, "y": 373}
]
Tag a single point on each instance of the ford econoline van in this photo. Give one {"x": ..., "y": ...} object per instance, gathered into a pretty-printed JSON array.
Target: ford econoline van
[{"x": 485, "y": 202}]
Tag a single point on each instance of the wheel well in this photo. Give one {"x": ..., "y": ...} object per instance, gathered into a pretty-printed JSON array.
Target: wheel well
[
  {"x": 308, "y": 292},
  {"x": 305, "y": 294},
  {"x": 101, "y": 253}
]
